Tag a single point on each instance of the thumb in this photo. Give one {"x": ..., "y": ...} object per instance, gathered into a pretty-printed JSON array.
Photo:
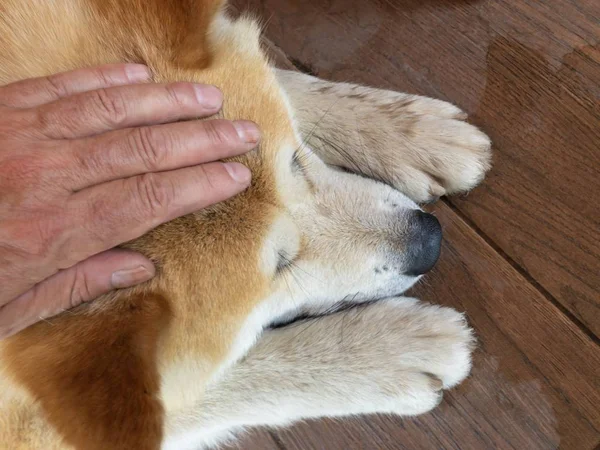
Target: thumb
[{"x": 70, "y": 287}]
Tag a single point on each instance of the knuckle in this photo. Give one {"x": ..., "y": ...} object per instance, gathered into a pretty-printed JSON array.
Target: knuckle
[
  {"x": 175, "y": 93},
  {"x": 155, "y": 194},
  {"x": 46, "y": 122},
  {"x": 148, "y": 145},
  {"x": 56, "y": 86},
  {"x": 102, "y": 76},
  {"x": 111, "y": 105},
  {"x": 205, "y": 179},
  {"x": 80, "y": 288},
  {"x": 218, "y": 131}
]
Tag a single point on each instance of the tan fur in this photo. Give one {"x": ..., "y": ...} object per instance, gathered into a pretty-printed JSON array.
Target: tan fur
[
  {"x": 161, "y": 359},
  {"x": 84, "y": 33},
  {"x": 407, "y": 385},
  {"x": 73, "y": 369}
]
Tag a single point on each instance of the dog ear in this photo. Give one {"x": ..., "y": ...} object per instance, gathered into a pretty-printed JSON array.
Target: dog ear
[{"x": 95, "y": 373}]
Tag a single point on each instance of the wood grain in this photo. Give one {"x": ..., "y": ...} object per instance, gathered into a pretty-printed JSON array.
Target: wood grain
[
  {"x": 528, "y": 72},
  {"x": 521, "y": 253},
  {"x": 253, "y": 440},
  {"x": 535, "y": 382}
]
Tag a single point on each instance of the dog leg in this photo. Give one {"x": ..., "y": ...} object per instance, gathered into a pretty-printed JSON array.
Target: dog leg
[
  {"x": 394, "y": 356},
  {"x": 421, "y": 146}
]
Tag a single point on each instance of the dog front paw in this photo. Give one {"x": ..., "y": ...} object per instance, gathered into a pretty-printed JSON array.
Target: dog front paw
[
  {"x": 415, "y": 350},
  {"x": 422, "y": 146}
]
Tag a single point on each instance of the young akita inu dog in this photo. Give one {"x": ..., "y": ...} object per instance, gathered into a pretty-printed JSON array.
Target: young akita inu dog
[{"x": 331, "y": 219}]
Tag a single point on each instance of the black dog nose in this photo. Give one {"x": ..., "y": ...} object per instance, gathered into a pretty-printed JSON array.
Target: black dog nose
[{"x": 424, "y": 243}]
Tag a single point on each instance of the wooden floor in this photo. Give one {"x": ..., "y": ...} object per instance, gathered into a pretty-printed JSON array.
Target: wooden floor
[{"x": 522, "y": 252}]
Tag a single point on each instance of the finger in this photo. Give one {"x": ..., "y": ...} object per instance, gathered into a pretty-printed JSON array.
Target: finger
[
  {"x": 71, "y": 287},
  {"x": 119, "y": 107},
  {"x": 160, "y": 148},
  {"x": 39, "y": 91},
  {"x": 122, "y": 210}
]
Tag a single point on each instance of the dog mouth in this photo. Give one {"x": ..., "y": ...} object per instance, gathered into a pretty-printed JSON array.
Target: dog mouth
[
  {"x": 301, "y": 317},
  {"x": 353, "y": 301}
]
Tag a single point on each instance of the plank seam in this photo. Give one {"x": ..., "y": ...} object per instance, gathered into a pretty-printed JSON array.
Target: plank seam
[{"x": 521, "y": 271}]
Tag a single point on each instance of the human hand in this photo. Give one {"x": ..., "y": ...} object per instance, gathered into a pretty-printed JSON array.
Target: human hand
[{"x": 89, "y": 160}]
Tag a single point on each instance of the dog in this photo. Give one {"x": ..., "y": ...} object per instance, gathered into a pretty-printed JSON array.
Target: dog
[{"x": 280, "y": 304}]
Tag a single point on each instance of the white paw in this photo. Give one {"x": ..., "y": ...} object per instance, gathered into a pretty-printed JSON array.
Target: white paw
[
  {"x": 445, "y": 154},
  {"x": 421, "y": 146},
  {"x": 426, "y": 148},
  {"x": 418, "y": 350}
]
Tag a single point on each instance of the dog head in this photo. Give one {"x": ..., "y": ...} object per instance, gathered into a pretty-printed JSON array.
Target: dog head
[{"x": 304, "y": 235}]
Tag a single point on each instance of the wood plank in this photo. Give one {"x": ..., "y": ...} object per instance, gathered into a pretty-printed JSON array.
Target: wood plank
[
  {"x": 527, "y": 72},
  {"x": 536, "y": 377}
]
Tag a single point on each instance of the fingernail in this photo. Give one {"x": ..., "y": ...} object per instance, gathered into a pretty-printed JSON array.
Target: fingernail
[
  {"x": 137, "y": 72},
  {"x": 238, "y": 172},
  {"x": 247, "y": 131},
  {"x": 130, "y": 277},
  {"x": 209, "y": 96}
]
